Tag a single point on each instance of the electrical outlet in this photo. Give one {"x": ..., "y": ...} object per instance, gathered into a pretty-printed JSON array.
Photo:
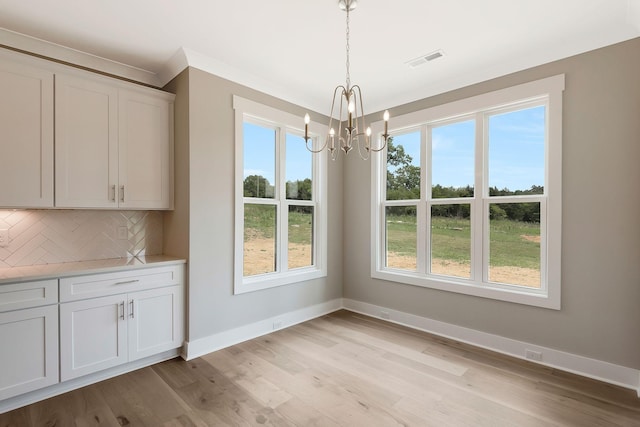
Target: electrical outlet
[
  {"x": 277, "y": 324},
  {"x": 123, "y": 233},
  {"x": 384, "y": 314},
  {"x": 533, "y": 355},
  {"x": 4, "y": 238}
]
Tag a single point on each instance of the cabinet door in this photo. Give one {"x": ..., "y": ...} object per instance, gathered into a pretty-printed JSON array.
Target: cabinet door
[
  {"x": 93, "y": 335},
  {"x": 145, "y": 150},
  {"x": 29, "y": 350},
  {"x": 86, "y": 153},
  {"x": 156, "y": 321},
  {"x": 26, "y": 135}
]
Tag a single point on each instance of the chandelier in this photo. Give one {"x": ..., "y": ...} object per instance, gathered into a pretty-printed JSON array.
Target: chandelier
[{"x": 352, "y": 130}]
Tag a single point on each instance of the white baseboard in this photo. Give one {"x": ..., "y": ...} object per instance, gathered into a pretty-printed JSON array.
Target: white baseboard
[
  {"x": 591, "y": 368},
  {"x": 211, "y": 343},
  {"x": 45, "y": 393}
]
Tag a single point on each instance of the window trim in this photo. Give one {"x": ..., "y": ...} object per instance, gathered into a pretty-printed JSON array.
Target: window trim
[
  {"x": 257, "y": 113},
  {"x": 548, "y": 296}
]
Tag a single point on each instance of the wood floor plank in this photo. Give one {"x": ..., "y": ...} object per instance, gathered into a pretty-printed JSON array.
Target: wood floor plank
[
  {"x": 214, "y": 396},
  {"x": 342, "y": 369},
  {"x": 301, "y": 413},
  {"x": 328, "y": 398},
  {"x": 141, "y": 398},
  {"x": 18, "y": 418}
]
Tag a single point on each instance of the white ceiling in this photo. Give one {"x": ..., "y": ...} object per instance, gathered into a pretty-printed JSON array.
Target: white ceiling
[{"x": 294, "y": 49}]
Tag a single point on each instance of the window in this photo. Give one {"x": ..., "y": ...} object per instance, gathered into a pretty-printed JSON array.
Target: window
[
  {"x": 467, "y": 197},
  {"x": 280, "y": 231}
]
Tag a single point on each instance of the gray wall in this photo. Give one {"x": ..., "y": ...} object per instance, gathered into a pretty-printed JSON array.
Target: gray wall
[
  {"x": 600, "y": 316},
  {"x": 201, "y": 227}
]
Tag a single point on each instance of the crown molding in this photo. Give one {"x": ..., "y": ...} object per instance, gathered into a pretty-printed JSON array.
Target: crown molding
[{"x": 59, "y": 53}]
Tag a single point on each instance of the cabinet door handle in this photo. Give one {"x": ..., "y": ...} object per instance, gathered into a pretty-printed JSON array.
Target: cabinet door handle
[
  {"x": 113, "y": 193},
  {"x": 121, "y": 305},
  {"x": 131, "y": 312},
  {"x": 122, "y": 193},
  {"x": 126, "y": 282}
]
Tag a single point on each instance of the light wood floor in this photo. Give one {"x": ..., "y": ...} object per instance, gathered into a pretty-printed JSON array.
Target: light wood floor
[{"x": 342, "y": 369}]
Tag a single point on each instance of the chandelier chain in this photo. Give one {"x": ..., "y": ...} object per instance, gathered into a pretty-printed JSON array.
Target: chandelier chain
[{"x": 347, "y": 48}]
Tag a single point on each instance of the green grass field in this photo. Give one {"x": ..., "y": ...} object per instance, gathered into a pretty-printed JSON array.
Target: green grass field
[
  {"x": 513, "y": 243},
  {"x": 261, "y": 221}
]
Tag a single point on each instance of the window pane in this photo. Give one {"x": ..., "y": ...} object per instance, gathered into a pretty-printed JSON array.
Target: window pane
[
  {"x": 403, "y": 167},
  {"x": 516, "y": 152},
  {"x": 401, "y": 235},
  {"x": 514, "y": 243},
  {"x": 452, "y": 160},
  {"x": 299, "y": 167},
  {"x": 300, "y": 236},
  {"x": 259, "y": 239},
  {"x": 259, "y": 161},
  {"x": 451, "y": 240}
]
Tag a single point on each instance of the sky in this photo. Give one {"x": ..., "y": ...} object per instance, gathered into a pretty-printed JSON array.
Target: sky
[
  {"x": 260, "y": 157},
  {"x": 516, "y": 151}
]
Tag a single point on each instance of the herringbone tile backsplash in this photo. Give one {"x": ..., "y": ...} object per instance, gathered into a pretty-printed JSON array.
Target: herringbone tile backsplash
[{"x": 50, "y": 236}]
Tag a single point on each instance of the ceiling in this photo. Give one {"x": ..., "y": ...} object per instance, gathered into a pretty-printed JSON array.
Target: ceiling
[{"x": 295, "y": 49}]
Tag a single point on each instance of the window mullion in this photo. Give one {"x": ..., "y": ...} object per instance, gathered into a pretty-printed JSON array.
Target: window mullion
[
  {"x": 479, "y": 225},
  {"x": 282, "y": 212},
  {"x": 422, "y": 211}
]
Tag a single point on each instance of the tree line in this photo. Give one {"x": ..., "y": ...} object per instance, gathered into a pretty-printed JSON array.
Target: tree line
[
  {"x": 259, "y": 186},
  {"x": 403, "y": 183}
]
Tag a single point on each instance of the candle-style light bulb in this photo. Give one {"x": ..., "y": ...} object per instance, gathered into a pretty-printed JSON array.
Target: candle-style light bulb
[
  {"x": 332, "y": 140},
  {"x": 350, "y": 107},
  {"x": 307, "y": 119},
  {"x": 385, "y": 117},
  {"x": 368, "y": 131}
]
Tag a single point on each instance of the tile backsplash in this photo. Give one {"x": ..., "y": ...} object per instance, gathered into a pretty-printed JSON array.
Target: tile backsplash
[{"x": 55, "y": 236}]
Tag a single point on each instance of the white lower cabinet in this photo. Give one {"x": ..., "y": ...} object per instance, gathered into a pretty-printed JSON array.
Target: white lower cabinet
[
  {"x": 156, "y": 321},
  {"x": 106, "y": 331},
  {"x": 28, "y": 337},
  {"x": 93, "y": 336}
]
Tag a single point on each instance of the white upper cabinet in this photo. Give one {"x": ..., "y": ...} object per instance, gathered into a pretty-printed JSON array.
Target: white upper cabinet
[
  {"x": 145, "y": 148},
  {"x": 114, "y": 145},
  {"x": 86, "y": 143},
  {"x": 26, "y": 136}
]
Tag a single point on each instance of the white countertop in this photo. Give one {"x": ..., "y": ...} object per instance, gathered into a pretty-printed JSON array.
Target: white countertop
[{"x": 67, "y": 269}]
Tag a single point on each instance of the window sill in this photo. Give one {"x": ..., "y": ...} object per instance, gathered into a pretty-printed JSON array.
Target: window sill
[
  {"x": 272, "y": 280},
  {"x": 508, "y": 293}
]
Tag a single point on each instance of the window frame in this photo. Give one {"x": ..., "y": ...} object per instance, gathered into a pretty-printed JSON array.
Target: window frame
[
  {"x": 283, "y": 123},
  {"x": 548, "y": 92}
]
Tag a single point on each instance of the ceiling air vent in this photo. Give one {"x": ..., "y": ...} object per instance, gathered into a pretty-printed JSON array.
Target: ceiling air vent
[{"x": 421, "y": 60}]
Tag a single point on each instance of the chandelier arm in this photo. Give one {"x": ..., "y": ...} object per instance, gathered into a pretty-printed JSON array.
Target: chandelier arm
[
  {"x": 377, "y": 150},
  {"x": 319, "y": 150},
  {"x": 366, "y": 149},
  {"x": 342, "y": 90},
  {"x": 328, "y": 138},
  {"x": 341, "y": 140},
  {"x": 358, "y": 95}
]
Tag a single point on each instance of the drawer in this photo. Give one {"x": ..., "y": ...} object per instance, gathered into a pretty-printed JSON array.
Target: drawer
[
  {"x": 98, "y": 285},
  {"x": 28, "y": 294}
]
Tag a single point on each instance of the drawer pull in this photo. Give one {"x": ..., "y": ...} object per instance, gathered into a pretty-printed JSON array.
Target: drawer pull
[{"x": 127, "y": 282}]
